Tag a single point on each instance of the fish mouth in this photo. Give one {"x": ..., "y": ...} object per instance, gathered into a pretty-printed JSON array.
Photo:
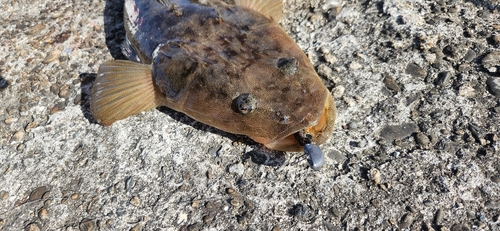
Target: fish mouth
[{"x": 318, "y": 133}]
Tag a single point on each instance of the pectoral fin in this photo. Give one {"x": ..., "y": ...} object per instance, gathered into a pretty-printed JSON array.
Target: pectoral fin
[
  {"x": 270, "y": 8},
  {"x": 122, "y": 89}
]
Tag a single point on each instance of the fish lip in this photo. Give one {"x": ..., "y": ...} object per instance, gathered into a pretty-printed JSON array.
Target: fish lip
[{"x": 320, "y": 132}]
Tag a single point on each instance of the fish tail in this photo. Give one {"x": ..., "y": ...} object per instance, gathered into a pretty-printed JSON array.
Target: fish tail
[{"x": 122, "y": 88}]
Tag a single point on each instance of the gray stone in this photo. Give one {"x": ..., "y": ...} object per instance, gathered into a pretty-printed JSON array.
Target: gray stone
[
  {"x": 493, "y": 84},
  {"x": 459, "y": 227},
  {"x": 393, "y": 132},
  {"x": 416, "y": 71},
  {"x": 492, "y": 61},
  {"x": 470, "y": 55},
  {"x": 443, "y": 79},
  {"x": 391, "y": 84},
  {"x": 336, "y": 156}
]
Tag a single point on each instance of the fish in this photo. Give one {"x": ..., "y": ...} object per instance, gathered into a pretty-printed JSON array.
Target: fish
[{"x": 230, "y": 66}]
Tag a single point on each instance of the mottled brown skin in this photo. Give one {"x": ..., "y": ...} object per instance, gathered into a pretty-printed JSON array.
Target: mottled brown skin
[{"x": 208, "y": 55}]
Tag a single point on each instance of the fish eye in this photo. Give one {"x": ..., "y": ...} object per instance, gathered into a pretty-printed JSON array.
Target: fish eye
[
  {"x": 287, "y": 65},
  {"x": 244, "y": 103},
  {"x": 303, "y": 138}
]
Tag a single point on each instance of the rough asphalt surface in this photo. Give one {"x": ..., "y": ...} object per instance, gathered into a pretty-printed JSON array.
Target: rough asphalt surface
[{"x": 416, "y": 145}]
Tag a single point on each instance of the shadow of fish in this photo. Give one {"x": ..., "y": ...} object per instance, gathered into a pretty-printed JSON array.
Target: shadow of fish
[{"x": 229, "y": 66}]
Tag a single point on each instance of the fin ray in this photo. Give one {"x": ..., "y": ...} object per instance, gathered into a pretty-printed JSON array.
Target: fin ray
[
  {"x": 270, "y": 8},
  {"x": 122, "y": 88}
]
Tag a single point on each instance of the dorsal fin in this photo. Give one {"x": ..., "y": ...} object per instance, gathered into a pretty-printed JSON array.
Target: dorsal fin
[{"x": 270, "y": 8}]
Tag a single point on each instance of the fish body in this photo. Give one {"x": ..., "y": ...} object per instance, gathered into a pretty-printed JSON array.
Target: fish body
[{"x": 229, "y": 66}]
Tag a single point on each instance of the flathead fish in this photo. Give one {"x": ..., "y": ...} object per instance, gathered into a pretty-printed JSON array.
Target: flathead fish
[{"x": 230, "y": 66}]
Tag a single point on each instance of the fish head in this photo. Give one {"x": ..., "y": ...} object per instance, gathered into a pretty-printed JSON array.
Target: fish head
[{"x": 286, "y": 98}]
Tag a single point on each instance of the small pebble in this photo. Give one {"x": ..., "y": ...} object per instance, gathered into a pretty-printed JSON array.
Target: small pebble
[
  {"x": 438, "y": 219},
  {"x": 55, "y": 88},
  {"x": 78, "y": 99},
  {"x": 129, "y": 183},
  {"x": 492, "y": 204},
  {"x": 391, "y": 84},
  {"x": 57, "y": 108},
  {"x": 235, "y": 202},
  {"x": 195, "y": 203},
  {"x": 19, "y": 135},
  {"x": 9, "y": 121},
  {"x": 136, "y": 227},
  {"x": 182, "y": 217},
  {"x": 75, "y": 196},
  {"x": 43, "y": 214},
  {"x": 324, "y": 70},
  {"x": 51, "y": 57},
  {"x": 496, "y": 39},
  {"x": 32, "y": 227},
  {"x": 335, "y": 212},
  {"x": 352, "y": 125},
  {"x": 443, "y": 79},
  {"x": 459, "y": 227},
  {"x": 422, "y": 139},
  {"x": 336, "y": 156},
  {"x": 209, "y": 205},
  {"x": 396, "y": 132},
  {"x": 412, "y": 209},
  {"x": 428, "y": 203},
  {"x": 491, "y": 61},
  {"x": 36, "y": 29},
  {"x": 329, "y": 56},
  {"x": 375, "y": 175},
  {"x": 135, "y": 201},
  {"x": 376, "y": 203},
  {"x": 56, "y": 15},
  {"x": 426, "y": 226},
  {"x": 355, "y": 66},
  {"x": 30, "y": 126},
  {"x": 443, "y": 228},
  {"x": 299, "y": 210},
  {"x": 4, "y": 195},
  {"x": 208, "y": 219},
  {"x": 87, "y": 225},
  {"x": 453, "y": 52},
  {"x": 386, "y": 186},
  {"x": 38, "y": 193},
  {"x": 493, "y": 84},
  {"x": 64, "y": 92},
  {"x": 250, "y": 205},
  {"x": 4, "y": 83},
  {"x": 406, "y": 221},
  {"x": 466, "y": 90},
  {"x": 495, "y": 179},
  {"x": 338, "y": 91},
  {"x": 392, "y": 221},
  {"x": 214, "y": 151},
  {"x": 231, "y": 191},
  {"x": 470, "y": 55},
  {"x": 416, "y": 71}
]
